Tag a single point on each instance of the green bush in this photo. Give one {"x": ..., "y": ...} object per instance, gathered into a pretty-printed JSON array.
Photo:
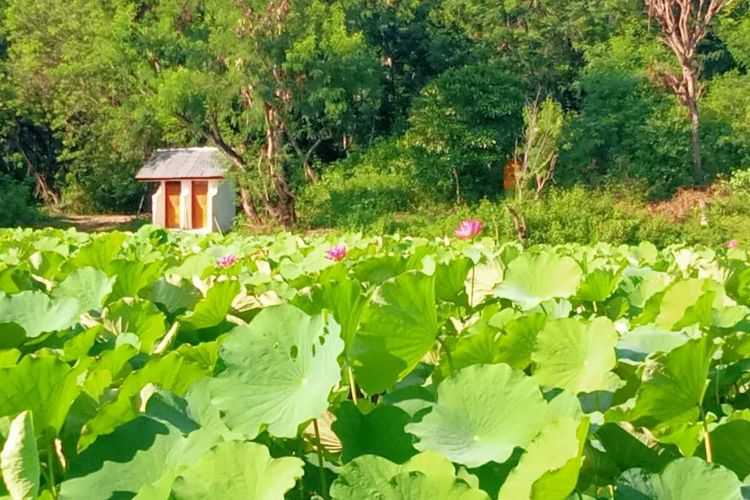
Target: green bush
[
  {"x": 564, "y": 215},
  {"x": 625, "y": 127},
  {"x": 16, "y": 205},
  {"x": 101, "y": 188},
  {"x": 466, "y": 123}
]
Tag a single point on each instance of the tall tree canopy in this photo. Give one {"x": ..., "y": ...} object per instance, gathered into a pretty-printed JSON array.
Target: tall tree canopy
[{"x": 286, "y": 89}]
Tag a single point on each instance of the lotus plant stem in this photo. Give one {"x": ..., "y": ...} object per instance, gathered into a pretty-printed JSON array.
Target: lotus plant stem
[
  {"x": 707, "y": 442},
  {"x": 473, "y": 273},
  {"x": 50, "y": 472},
  {"x": 301, "y": 454},
  {"x": 352, "y": 387},
  {"x": 323, "y": 481},
  {"x": 706, "y": 437},
  {"x": 447, "y": 354}
]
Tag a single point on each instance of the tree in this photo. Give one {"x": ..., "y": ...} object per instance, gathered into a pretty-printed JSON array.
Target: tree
[
  {"x": 684, "y": 25},
  {"x": 270, "y": 79},
  {"x": 268, "y": 82},
  {"x": 543, "y": 126},
  {"x": 466, "y": 122}
]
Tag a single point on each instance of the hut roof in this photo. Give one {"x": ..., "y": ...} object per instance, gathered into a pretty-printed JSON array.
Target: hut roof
[{"x": 183, "y": 163}]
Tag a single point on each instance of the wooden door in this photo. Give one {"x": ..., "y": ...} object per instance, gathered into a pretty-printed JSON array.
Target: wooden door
[
  {"x": 200, "y": 204},
  {"x": 172, "y": 200}
]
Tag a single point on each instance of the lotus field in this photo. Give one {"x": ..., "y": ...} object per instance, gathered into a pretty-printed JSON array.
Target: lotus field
[{"x": 159, "y": 365}]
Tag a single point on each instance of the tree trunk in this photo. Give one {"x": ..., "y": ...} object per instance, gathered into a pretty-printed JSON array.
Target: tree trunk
[
  {"x": 691, "y": 102},
  {"x": 281, "y": 211},
  {"x": 459, "y": 196},
  {"x": 249, "y": 207},
  {"x": 696, "y": 141}
]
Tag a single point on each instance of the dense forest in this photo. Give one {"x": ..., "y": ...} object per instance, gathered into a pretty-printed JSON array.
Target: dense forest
[{"x": 375, "y": 105}]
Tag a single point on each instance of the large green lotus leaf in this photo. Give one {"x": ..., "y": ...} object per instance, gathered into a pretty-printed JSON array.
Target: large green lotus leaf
[
  {"x": 43, "y": 385},
  {"x": 174, "y": 298},
  {"x": 212, "y": 310},
  {"x": 397, "y": 329},
  {"x": 674, "y": 384},
  {"x": 8, "y": 357},
  {"x": 476, "y": 346},
  {"x": 535, "y": 278},
  {"x": 639, "y": 343},
  {"x": 109, "y": 366},
  {"x": 482, "y": 413},
  {"x": 90, "y": 286},
  {"x": 47, "y": 264},
  {"x": 516, "y": 344},
  {"x": 37, "y": 313},
  {"x": 598, "y": 285},
  {"x": 279, "y": 372},
  {"x": 576, "y": 356},
  {"x": 139, "y": 453},
  {"x": 172, "y": 372},
  {"x": 626, "y": 451},
  {"x": 380, "y": 432},
  {"x": 140, "y": 317},
  {"x": 560, "y": 483},
  {"x": 727, "y": 317},
  {"x": 19, "y": 459},
  {"x": 100, "y": 253},
  {"x": 417, "y": 486},
  {"x": 548, "y": 455},
  {"x": 14, "y": 280},
  {"x": 481, "y": 284},
  {"x": 730, "y": 444},
  {"x": 344, "y": 299},
  {"x": 133, "y": 276},
  {"x": 485, "y": 344},
  {"x": 378, "y": 269},
  {"x": 238, "y": 471},
  {"x": 11, "y": 335},
  {"x": 738, "y": 282},
  {"x": 683, "y": 479},
  {"x": 199, "y": 266},
  {"x": 640, "y": 285},
  {"x": 450, "y": 279},
  {"x": 201, "y": 411},
  {"x": 370, "y": 476},
  {"x": 678, "y": 298}
]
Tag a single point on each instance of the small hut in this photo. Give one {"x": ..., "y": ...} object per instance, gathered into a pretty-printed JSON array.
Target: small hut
[{"x": 192, "y": 192}]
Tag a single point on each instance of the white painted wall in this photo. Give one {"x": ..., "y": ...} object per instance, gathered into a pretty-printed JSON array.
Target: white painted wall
[
  {"x": 158, "y": 205},
  {"x": 221, "y": 205}
]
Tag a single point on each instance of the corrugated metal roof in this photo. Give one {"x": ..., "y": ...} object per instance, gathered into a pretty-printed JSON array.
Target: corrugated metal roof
[{"x": 183, "y": 163}]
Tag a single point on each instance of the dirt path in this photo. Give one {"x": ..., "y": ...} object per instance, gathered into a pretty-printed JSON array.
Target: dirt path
[{"x": 97, "y": 223}]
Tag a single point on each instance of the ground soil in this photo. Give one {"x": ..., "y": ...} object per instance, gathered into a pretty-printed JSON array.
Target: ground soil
[
  {"x": 96, "y": 223},
  {"x": 683, "y": 204}
]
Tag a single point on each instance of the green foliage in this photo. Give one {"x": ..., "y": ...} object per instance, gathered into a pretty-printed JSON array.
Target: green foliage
[
  {"x": 355, "y": 193},
  {"x": 625, "y": 127},
  {"x": 19, "y": 459},
  {"x": 543, "y": 127},
  {"x": 291, "y": 385},
  {"x": 466, "y": 123},
  {"x": 453, "y": 368},
  {"x": 16, "y": 206}
]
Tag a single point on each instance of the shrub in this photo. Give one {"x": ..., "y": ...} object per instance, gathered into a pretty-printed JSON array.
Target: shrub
[
  {"x": 466, "y": 123},
  {"x": 101, "y": 188},
  {"x": 626, "y": 128},
  {"x": 16, "y": 205}
]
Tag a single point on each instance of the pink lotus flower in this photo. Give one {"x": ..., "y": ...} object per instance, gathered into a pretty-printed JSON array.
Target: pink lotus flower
[
  {"x": 226, "y": 260},
  {"x": 732, "y": 244},
  {"x": 468, "y": 229},
  {"x": 336, "y": 253}
]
